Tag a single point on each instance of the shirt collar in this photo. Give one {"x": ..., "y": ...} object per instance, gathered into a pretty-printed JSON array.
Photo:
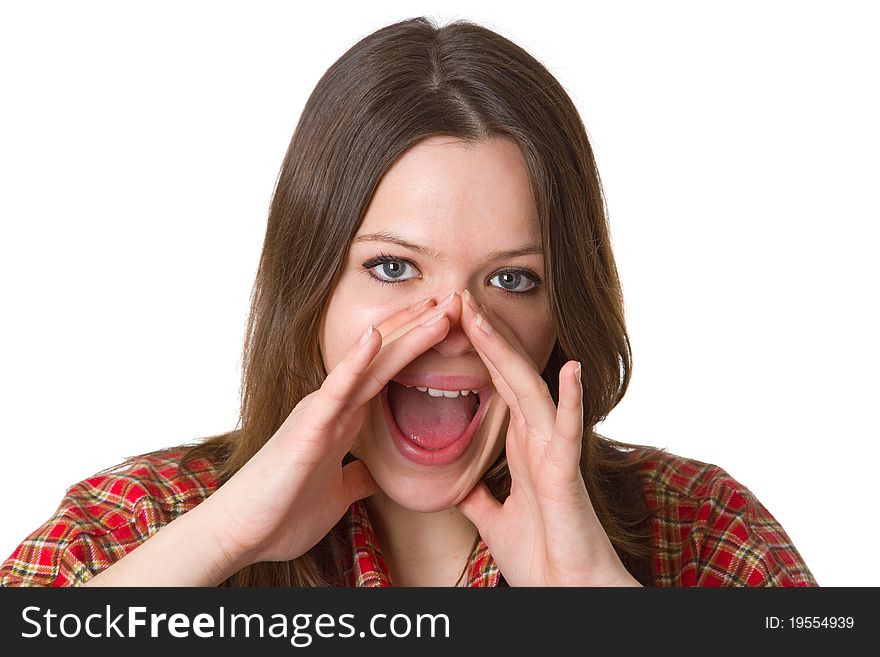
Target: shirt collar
[{"x": 368, "y": 568}]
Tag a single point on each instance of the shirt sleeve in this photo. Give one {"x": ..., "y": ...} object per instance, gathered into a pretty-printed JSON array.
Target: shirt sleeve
[
  {"x": 715, "y": 532},
  {"x": 99, "y": 521}
]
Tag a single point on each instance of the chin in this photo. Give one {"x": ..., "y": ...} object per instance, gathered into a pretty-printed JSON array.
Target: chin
[{"x": 426, "y": 494}]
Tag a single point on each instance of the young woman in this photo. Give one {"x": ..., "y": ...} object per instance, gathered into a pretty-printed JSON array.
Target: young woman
[{"x": 436, "y": 329}]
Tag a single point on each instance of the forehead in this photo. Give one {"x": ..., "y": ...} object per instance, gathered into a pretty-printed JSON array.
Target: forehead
[{"x": 453, "y": 195}]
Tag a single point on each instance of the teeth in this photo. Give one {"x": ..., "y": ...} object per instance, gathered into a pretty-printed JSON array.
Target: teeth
[{"x": 433, "y": 392}]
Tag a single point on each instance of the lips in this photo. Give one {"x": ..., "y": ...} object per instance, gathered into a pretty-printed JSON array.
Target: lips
[
  {"x": 436, "y": 457},
  {"x": 443, "y": 381}
]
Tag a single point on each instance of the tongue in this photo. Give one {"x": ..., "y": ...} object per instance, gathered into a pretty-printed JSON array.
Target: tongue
[{"x": 430, "y": 422}]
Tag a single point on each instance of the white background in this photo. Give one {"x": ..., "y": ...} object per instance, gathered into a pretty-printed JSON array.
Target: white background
[{"x": 139, "y": 145}]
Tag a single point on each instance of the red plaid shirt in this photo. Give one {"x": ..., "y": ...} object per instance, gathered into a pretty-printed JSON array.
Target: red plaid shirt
[{"x": 708, "y": 529}]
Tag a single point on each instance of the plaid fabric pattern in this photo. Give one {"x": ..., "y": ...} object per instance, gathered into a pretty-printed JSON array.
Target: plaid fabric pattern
[
  {"x": 105, "y": 517},
  {"x": 708, "y": 529}
]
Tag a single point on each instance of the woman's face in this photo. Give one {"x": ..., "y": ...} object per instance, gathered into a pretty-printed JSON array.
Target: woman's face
[{"x": 460, "y": 203}]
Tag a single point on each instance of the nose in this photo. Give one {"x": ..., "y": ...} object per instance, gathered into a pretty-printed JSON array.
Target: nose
[{"x": 456, "y": 342}]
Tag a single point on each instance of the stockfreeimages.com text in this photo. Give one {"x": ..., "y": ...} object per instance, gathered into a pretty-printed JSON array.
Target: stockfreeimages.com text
[{"x": 300, "y": 629}]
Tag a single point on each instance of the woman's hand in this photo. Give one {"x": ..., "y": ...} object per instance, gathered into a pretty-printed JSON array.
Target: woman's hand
[
  {"x": 546, "y": 532},
  {"x": 294, "y": 490}
]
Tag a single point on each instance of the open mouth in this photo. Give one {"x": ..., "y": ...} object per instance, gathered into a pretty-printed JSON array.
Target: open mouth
[{"x": 433, "y": 427}]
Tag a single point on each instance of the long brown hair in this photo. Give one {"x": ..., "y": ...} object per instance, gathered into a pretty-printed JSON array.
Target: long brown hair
[{"x": 397, "y": 86}]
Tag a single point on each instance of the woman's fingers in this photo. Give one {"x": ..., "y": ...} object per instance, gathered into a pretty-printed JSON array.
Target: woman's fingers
[
  {"x": 480, "y": 507},
  {"x": 396, "y": 354},
  {"x": 357, "y": 482},
  {"x": 512, "y": 372},
  {"x": 336, "y": 392},
  {"x": 368, "y": 365},
  {"x": 396, "y": 329},
  {"x": 403, "y": 319},
  {"x": 568, "y": 430}
]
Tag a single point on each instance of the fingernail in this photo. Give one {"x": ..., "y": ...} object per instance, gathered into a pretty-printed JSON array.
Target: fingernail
[
  {"x": 483, "y": 324},
  {"x": 577, "y": 372},
  {"x": 469, "y": 300},
  {"x": 434, "y": 318},
  {"x": 421, "y": 304},
  {"x": 446, "y": 301},
  {"x": 366, "y": 335}
]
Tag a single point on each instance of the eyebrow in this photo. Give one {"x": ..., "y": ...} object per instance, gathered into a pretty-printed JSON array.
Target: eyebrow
[{"x": 391, "y": 238}]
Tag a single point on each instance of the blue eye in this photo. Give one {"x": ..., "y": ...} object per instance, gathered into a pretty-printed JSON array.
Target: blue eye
[
  {"x": 515, "y": 277},
  {"x": 389, "y": 270},
  {"x": 390, "y": 267}
]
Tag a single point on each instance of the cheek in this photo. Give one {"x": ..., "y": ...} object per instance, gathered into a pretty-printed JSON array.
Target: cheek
[
  {"x": 545, "y": 341},
  {"x": 538, "y": 340},
  {"x": 339, "y": 331},
  {"x": 348, "y": 316}
]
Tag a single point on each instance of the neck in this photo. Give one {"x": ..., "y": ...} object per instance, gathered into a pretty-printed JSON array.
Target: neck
[{"x": 421, "y": 549}]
